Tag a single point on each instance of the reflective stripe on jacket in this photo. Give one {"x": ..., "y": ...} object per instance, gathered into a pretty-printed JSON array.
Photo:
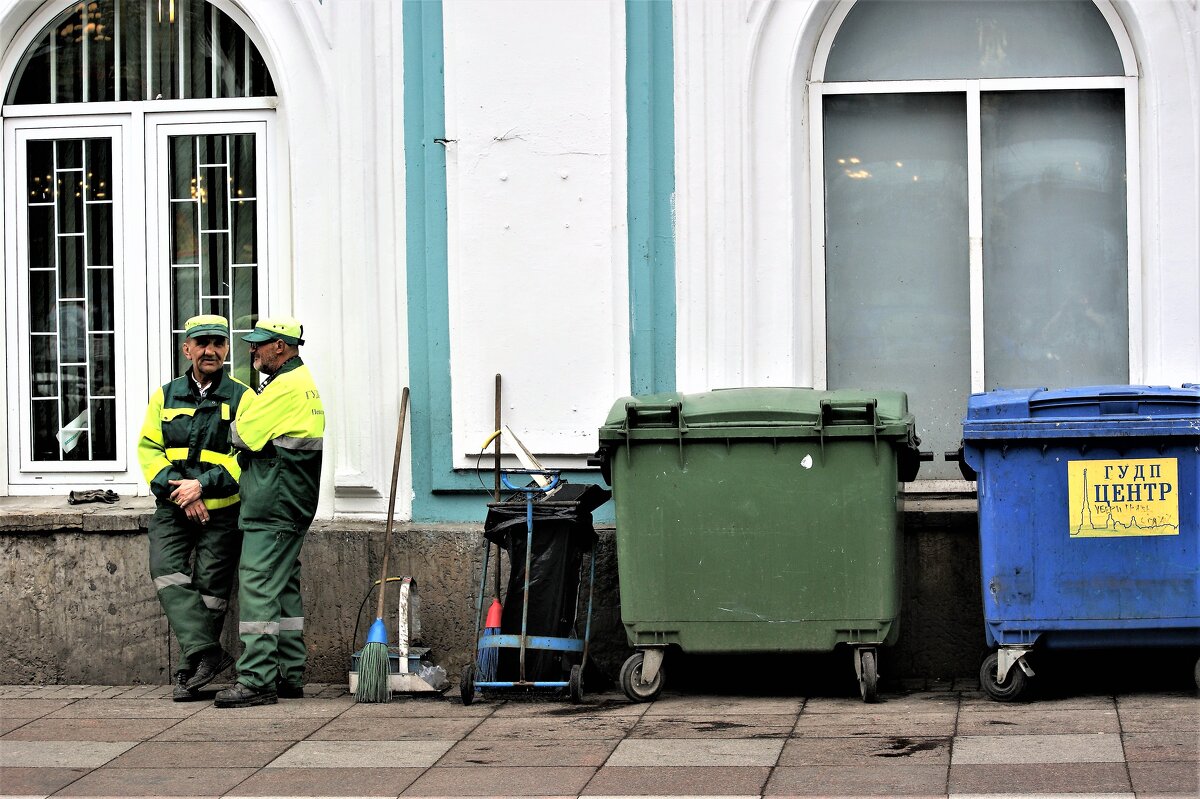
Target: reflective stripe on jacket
[
  {"x": 280, "y": 433},
  {"x": 185, "y": 437}
]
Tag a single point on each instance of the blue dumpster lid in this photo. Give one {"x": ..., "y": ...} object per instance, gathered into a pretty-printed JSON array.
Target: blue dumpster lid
[{"x": 1105, "y": 411}]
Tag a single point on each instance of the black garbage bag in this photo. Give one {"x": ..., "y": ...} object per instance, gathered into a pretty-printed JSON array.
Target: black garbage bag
[{"x": 562, "y": 533}]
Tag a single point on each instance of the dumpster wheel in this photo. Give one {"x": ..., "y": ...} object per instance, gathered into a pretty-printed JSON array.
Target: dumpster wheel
[
  {"x": 466, "y": 684},
  {"x": 1197, "y": 674},
  {"x": 868, "y": 674},
  {"x": 1014, "y": 685},
  {"x": 631, "y": 676}
]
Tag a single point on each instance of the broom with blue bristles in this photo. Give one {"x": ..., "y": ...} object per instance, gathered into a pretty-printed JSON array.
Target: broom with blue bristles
[{"x": 373, "y": 663}]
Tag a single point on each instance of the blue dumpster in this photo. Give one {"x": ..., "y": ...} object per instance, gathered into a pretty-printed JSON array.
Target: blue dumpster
[{"x": 1089, "y": 525}]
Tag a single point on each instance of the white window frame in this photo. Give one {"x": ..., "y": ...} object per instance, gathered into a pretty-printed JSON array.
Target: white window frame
[
  {"x": 128, "y": 286},
  {"x": 143, "y": 182},
  {"x": 972, "y": 89},
  {"x": 159, "y": 128}
]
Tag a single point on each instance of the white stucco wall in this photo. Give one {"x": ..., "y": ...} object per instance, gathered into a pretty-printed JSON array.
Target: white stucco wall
[{"x": 535, "y": 111}]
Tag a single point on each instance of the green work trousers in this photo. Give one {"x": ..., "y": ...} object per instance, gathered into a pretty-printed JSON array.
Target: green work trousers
[
  {"x": 192, "y": 566},
  {"x": 272, "y": 616}
]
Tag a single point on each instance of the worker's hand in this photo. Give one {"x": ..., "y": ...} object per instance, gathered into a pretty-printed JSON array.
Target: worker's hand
[
  {"x": 186, "y": 492},
  {"x": 197, "y": 512}
]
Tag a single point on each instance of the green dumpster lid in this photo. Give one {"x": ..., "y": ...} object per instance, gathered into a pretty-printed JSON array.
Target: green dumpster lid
[{"x": 761, "y": 412}]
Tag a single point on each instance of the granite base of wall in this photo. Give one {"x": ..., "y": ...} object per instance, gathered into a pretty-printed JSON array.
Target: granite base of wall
[{"x": 81, "y": 609}]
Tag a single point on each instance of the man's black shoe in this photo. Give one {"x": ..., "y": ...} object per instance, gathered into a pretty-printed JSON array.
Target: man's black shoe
[
  {"x": 180, "y": 693},
  {"x": 241, "y": 695},
  {"x": 212, "y": 662},
  {"x": 286, "y": 691}
]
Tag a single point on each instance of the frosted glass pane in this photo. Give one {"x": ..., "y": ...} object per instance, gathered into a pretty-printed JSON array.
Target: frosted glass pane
[
  {"x": 915, "y": 39},
  {"x": 1055, "y": 245},
  {"x": 897, "y": 275}
]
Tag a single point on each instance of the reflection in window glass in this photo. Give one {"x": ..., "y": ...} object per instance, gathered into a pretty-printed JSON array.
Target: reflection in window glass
[
  {"x": 1054, "y": 240},
  {"x": 102, "y": 422},
  {"x": 167, "y": 50},
  {"x": 72, "y": 436},
  {"x": 897, "y": 278},
  {"x": 98, "y": 181},
  {"x": 100, "y": 301},
  {"x": 1052, "y": 268},
  {"x": 185, "y": 293},
  {"x": 43, "y": 311},
  {"x": 212, "y": 231},
  {"x": 954, "y": 39},
  {"x": 43, "y": 358},
  {"x": 245, "y": 232},
  {"x": 71, "y": 298}
]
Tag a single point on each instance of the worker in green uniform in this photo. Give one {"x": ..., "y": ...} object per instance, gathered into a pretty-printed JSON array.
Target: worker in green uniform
[
  {"x": 278, "y": 433},
  {"x": 186, "y": 457}
]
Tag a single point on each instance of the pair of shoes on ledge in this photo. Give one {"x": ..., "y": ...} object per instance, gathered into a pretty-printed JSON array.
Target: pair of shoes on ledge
[{"x": 78, "y": 497}]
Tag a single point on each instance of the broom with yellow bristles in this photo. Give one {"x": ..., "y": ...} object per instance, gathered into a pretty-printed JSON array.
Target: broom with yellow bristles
[{"x": 373, "y": 665}]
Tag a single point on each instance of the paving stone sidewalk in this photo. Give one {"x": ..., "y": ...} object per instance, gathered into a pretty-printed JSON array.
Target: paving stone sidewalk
[{"x": 134, "y": 741}]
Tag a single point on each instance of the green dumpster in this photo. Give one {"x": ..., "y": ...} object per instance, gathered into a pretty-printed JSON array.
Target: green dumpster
[{"x": 758, "y": 520}]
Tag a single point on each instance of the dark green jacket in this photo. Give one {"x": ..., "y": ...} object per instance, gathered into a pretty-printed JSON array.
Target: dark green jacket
[{"x": 185, "y": 437}]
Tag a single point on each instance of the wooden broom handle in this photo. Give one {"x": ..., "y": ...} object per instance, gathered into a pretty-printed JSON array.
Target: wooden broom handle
[{"x": 387, "y": 535}]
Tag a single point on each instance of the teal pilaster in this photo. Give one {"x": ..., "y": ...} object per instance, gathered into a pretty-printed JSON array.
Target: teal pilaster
[
  {"x": 650, "y": 101},
  {"x": 426, "y": 252},
  {"x": 440, "y": 492}
]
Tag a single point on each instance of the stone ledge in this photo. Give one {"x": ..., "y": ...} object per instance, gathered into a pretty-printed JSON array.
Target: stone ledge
[
  {"x": 132, "y": 514},
  {"x": 53, "y": 514},
  {"x": 942, "y": 512}
]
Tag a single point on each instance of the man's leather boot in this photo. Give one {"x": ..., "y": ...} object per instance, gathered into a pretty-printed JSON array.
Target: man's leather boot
[
  {"x": 214, "y": 661},
  {"x": 180, "y": 693},
  {"x": 241, "y": 695}
]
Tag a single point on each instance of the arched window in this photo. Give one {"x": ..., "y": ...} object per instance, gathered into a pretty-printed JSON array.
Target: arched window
[
  {"x": 976, "y": 211},
  {"x": 137, "y": 139},
  {"x": 100, "y": 50}
]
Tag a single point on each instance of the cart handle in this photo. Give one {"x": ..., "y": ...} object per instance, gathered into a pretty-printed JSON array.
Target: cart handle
[{"x": 550, "y": 473}]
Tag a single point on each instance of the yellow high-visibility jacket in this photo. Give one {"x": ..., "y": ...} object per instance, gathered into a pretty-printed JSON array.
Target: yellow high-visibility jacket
[
  {"x": 279, "y": 433},
  {"x": 186, "y": 437}
]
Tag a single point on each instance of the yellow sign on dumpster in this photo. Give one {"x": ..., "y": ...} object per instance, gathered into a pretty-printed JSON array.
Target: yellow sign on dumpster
[{"x": 1134, "y": 497}]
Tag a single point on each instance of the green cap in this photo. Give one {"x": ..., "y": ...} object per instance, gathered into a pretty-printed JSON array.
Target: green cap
[
  {"x": 284, "y": 328},
  {"x": 206, "y": 325}
]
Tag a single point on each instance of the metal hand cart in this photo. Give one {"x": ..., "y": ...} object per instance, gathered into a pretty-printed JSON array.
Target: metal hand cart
[{"x": 494, "y": 640}]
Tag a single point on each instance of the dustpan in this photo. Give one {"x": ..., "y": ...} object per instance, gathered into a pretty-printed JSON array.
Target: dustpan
[{"x": 410, "y": 671}]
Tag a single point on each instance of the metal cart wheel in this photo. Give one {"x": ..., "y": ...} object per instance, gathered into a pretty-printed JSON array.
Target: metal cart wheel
[
  {"x": 575, "y": 686},
  {"x": 868, "y": 678},
  {"x": 631, "y": 675},
  {"x": 1014, "y": 685},
  {"x": 466, "y": 684}
]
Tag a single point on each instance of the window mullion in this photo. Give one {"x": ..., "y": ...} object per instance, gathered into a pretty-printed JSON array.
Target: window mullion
[
  {"x": 214, "y": 53},
  {"x": 820, "y": 374},
  {"x": 118, "y": 51},
  {"x": 1133, "y": 219},
  {"x": 84, "y": 53},
  {"x": 53, "y": 69},
  {"x": 149, "y": 53},
  {"x": 975, "y": 233},
  {"x": 180, "y": 41}
]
